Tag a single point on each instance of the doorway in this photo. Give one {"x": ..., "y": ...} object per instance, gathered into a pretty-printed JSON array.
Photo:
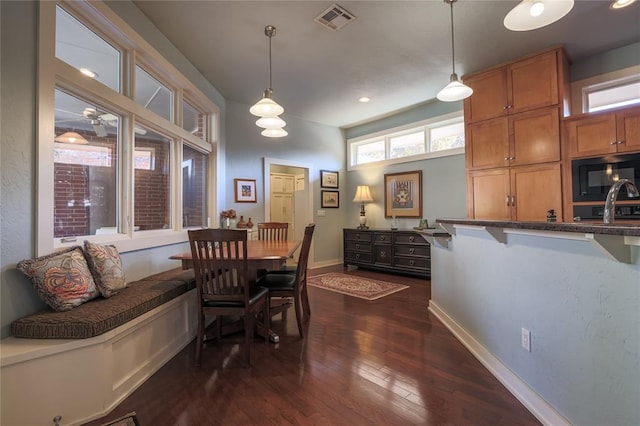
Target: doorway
[{"x": 302, "y": 194}]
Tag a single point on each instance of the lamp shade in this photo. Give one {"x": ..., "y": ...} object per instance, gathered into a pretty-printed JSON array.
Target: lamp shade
[
  {"x": 266, "y": 107},
  {"x": 363, "y": 195},
  {"x": 454, "y": 91},
  {"x": 71, "y": 137},
  {"x": 532, "y": 14},
  {"x": 274, "y": 133},
  {"x": 270, "y": 123}
]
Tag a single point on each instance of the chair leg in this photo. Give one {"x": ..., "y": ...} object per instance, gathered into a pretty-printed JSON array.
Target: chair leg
[
  {"x": 305, "y": 304},
  {"x": 248, "y": 336},
  {"x": 200, "y": 338},
  {"x": 298, "y": 307}
]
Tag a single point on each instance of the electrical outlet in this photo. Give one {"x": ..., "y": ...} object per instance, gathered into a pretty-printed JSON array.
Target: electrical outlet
[{"x": 526, "y": 340}]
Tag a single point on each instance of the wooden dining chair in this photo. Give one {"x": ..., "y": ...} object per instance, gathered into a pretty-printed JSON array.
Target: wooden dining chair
[
  {"x": 222, "y": 282},
  {"x": 273, "y": 231},
  {"x": 287, "y": 286}
]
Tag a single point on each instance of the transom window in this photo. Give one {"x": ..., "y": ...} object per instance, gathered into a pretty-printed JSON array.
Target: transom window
[
  {"x": 438, "y": 137},
  {"x": 613, "y": 96}
]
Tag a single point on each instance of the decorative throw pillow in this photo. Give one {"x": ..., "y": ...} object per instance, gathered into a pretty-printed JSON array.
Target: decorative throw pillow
[
  {"x": 62, "y": 279},
  {"x": 106, "y": 267}
]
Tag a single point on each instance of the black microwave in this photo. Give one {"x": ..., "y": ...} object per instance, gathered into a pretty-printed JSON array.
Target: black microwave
[{"x": 592, "y": 177}]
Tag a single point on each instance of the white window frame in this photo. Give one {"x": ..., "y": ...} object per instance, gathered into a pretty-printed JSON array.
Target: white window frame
[
  {"x": 387, "y": 134},
  {"x": 54, "y": 73},
  {"x": 580, "y": 89}
]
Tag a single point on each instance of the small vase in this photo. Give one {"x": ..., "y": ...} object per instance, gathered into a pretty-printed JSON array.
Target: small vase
[
  {"x": 226, "y": 222},
  {"x": 249, "y": 223},
  {"x": 241, "y": 223}
]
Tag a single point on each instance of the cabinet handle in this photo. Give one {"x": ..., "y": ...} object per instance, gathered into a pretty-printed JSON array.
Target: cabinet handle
[
  {"x": 357, "y": 246},
  {"x": 513, "y": 200},
  {"x": 620, "y": 142},
  {"x": 507, "y": 107},
  {"x": 613, "y": 143},
  {"x": 383, "y": 254},
  {"x": 357, "y": 256},
  {"x": 411, "y": 238},
  {"x": 508, "y": 201},
  {"x": 411, "y": 250},
  {"x": 381, "y": 237},
  {"x": 411, "y": 262},
  {"x": 506, "y": 158}
]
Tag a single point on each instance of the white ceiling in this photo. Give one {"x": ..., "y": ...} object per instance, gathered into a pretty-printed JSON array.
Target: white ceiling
[{"x": 398, "y": 53}]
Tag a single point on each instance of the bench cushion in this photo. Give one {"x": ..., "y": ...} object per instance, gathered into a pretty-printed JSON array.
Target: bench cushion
[{"x": 99, "y": 315}]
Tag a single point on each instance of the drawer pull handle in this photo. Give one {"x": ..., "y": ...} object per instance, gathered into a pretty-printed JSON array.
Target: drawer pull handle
[
  {"x": 383, "y": 254},
  {"x": 613, "y": 143},
  {"x": 381, "y": 237},
  {"x": 357, "y": 256},
  {"x": 357, "y": 246},
  {"x": 411, "y": 251},
  {"x": 411, "y": 238},
  {"x": 411, "y": 262}
]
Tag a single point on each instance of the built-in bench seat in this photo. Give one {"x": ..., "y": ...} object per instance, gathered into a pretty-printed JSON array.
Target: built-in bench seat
[
  {"x": 80, "y": 364},
  {"x": 101, "y": 315}
]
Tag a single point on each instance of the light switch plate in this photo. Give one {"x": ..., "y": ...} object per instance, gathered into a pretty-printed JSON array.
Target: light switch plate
[{"x": 320, "y": 213}]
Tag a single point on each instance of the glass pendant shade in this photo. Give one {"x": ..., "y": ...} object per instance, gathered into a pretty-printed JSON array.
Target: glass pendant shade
[
  {"x": 71, "y": 137},
  {"x": 271, "y": 123},
  {"x": 454, "y": 91},
  {"x": 274, "y": 133},
  {"x": 266, "y": 107},
  {"x": 532, "y": 14}
]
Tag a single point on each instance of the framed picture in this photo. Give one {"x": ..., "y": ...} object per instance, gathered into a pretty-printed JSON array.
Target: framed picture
[
  {"x": 328, "y": 179},
  {"x": 330, "y": 199},
  {"x": 403, "y": 194},
  {"x": 245, "y": 190}
]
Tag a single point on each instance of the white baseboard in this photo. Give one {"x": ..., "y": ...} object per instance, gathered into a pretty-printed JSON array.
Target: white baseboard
[
  {"x": 325, "y": 263},
  {"x": 540, "y": 408}
]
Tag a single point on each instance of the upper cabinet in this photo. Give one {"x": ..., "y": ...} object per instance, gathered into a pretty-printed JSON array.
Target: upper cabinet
[
  {"x": 604, "y": 133},
  {"x": 523, "y": 85}
]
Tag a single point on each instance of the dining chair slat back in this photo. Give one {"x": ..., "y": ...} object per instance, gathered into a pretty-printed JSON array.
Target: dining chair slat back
[
  {"x": 222, "y": 282},
  {"x": 276, "y": 231}
]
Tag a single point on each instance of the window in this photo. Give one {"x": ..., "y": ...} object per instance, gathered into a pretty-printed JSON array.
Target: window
[
  {"x": 86, "y": 51},
  {"x": 152, "y": 94},
  {"x": 613, "y": 96},
  {"x": 434, "y": 138},
  {"x": 113, "y": 165}
]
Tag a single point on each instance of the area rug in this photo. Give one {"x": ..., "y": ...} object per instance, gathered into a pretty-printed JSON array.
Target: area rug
[
  {"x": 127, "y": 420},
  {"x": 351, "y": 285}
]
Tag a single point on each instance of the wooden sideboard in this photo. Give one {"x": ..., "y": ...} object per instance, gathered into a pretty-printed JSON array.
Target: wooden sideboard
[{"x": 396, "y": 251}]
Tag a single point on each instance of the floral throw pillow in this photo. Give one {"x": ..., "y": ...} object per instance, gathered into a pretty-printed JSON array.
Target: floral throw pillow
[
  {"x": 106, "y": 267},
  {"x": 62, "y": 279}
]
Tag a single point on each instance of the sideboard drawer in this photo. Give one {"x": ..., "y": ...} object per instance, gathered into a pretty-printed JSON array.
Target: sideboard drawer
[
  {"x": 358, "y": 246},
  {"x": 358, "y": 236},
  {"x": 413, "y": 262},
  {"x": 418, "y": 251},
  {"x": 357, "y": 257},
  {"x": 408, "y": 238},
  {"x": 383, "y": 237}
]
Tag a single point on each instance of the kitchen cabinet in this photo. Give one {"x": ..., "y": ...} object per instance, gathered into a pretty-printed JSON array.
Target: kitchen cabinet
[
  {"x": 397, "y": 251},
  {"x": 527, "y": 138},
  {"x": 523, "y": 193},
  {"x": 530, "y": 83},
  {"x": 595, "y": 134},
  {"x": 282, "y": 183}
]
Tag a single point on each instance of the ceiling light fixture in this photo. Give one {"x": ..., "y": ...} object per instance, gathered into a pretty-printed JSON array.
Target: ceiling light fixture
[
  {"x": 455, "y": 90},
  {"x": 619, "y": 4},
  {"x": 364, "y": 99},
  {"x": 88, "y": 72},
  {"x": 532, "y": 14},
  {"x": 267, "y": 108},
  {"x": 71, "y": 137}
]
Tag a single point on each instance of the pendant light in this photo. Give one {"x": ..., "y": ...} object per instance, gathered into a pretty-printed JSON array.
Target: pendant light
[
  {"x": 532, "y": 14},
  {"x": 455, "y": 90},
  {"x": 266, "y": 108},
  {"x": 71, "y": 137}
]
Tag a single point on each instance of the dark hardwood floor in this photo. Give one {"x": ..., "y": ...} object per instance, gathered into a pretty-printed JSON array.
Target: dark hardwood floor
[{"x": 382, "y": 362}]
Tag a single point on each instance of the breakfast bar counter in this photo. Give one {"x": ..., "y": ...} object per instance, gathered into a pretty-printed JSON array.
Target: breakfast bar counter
[{"x": 552, "y": 309}]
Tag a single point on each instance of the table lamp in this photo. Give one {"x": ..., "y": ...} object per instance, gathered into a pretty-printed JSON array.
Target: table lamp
[{"x": 363, "y": 195}]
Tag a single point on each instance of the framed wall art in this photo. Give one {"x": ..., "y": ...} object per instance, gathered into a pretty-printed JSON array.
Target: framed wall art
[
  {"x": 330, "y": 199},
  {"x": 403, "y": 194},
  {"x": 245, "y": 190},
  {"x": 328, "y": 179}
]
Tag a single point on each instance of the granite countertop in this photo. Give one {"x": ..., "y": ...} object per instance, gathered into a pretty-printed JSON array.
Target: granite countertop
[{"x": 624, "y": 229}]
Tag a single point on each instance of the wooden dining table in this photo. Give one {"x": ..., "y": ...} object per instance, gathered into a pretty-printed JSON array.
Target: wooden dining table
[{"x": 261, "y": 254}]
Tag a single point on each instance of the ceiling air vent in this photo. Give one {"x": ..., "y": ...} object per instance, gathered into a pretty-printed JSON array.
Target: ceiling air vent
[{"x": 335, "y": 17}]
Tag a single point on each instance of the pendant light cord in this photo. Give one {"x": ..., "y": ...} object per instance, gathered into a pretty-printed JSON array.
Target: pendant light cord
[
  {"x": 453, "y": 46},
  {"x": 270, "y": 35}
]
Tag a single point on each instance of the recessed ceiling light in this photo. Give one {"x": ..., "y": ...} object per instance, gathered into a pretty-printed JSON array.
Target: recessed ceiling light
[
  {"x": 364, "y": 99},
  {"x": 619, "y": 4},
  {"x": 88, "y": 72}
]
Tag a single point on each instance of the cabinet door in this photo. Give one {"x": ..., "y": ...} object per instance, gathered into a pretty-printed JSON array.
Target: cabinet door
[
  {"x": 535, "y": 136},
  {"x": 591, "y": 136},
  {"x": 487, "y": 144},
  {"x": 536, "y": 189},
  {"x": 488, "y": 194},
  {"x": 489, "y": 98},
  {"x": 628, "y": 126},
  {"x": 282, "y": 208},
  {"x": 533, "y": 83}
]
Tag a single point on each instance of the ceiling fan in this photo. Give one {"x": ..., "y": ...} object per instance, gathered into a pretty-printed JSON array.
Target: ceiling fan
[{"x": 97, "y": 119}]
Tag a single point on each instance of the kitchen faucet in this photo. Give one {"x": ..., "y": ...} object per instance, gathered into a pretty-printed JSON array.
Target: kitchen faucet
[{"x": 609, "y": 205}]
